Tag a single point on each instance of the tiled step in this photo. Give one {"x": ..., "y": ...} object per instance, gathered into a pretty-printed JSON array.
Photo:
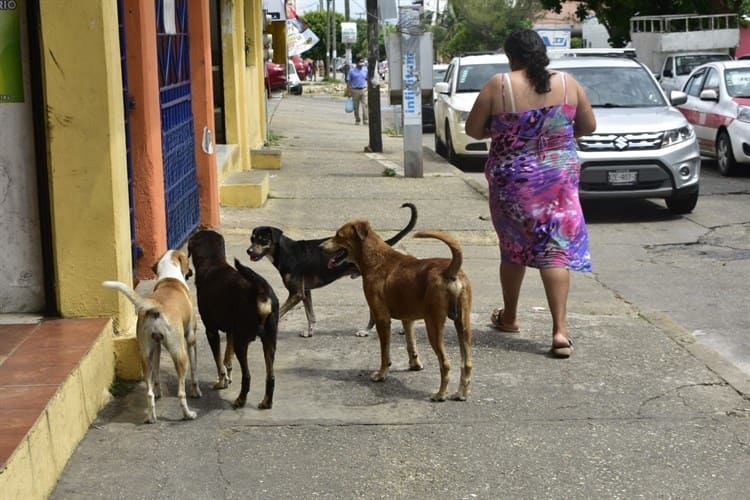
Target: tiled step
[{"x": 54, "y": 378}]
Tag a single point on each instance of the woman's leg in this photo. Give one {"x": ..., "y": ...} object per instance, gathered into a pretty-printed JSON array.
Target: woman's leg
[
  {"x": 511, "y": 278},
  {"x": 556, "y": 286}
]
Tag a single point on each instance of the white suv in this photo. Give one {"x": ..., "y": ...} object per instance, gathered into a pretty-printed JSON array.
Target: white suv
[{"x": 455, "y": 95}]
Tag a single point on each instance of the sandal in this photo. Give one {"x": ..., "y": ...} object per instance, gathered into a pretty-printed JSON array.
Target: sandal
[
  {"x": 562, "y": 352},
  {"x": 497, "y": 322}
]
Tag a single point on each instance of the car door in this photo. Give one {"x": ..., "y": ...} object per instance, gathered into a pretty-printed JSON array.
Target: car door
[
  {"x": 442, "y": 101},
  {"x": 694, "y": 109},
  {"x": 709, "y": 117}
]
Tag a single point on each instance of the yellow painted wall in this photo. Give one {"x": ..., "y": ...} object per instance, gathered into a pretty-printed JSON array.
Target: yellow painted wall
[
  {"x": 86, "y": 157},
  {"x": 255, "y": 91}
]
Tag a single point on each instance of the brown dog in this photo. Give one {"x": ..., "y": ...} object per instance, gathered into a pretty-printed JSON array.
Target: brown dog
[
  {"x": 236, "y": 301},
  {"x": 403, "y": 287},
  {"x": 166, "y": 317}
]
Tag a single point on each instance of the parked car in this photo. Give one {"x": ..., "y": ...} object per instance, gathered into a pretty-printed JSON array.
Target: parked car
[
  {"x": 675, "y": 69},
  {"x": 428, "y": 104},
  {"x": 300, "y": 66},
  {"x": 642, "y": 147},
  {"x": 275, "y": 77},
  {"x": 455, "y": 96},
  {"x": 293, "y": 82},
  {"x": 718, "y": 106}
]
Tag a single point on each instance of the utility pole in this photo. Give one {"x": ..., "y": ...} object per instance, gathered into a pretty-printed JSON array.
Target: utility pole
[{"x": 373, "y": 91}]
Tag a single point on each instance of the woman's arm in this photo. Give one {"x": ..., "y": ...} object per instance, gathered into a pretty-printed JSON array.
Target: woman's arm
[{"x": 476, "y": 123}]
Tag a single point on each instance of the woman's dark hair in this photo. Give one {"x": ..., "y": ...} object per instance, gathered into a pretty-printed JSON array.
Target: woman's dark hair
[{"x": 527, "y": 48}]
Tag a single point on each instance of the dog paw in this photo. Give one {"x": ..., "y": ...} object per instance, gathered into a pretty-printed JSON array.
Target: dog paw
[
  {"x": 222, "y": 383},
  {"x": 190, "y": 415},
  {"x": 459, "y": 396},
  {"x": 415, "y": 365},
  {"x": 377, "y": 377},
  {"x": 438, "y": 397},
  {"x": 195, "y": 392},
  {"x": 239, "y": 403},
  {"x": 305, "y": 334},
  {"x": 264, "y": 405},
  {"x": 362, "y": 333}
]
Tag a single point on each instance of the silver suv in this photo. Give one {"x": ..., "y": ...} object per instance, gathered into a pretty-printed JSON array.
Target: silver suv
[{"x": 642, "y": 147}]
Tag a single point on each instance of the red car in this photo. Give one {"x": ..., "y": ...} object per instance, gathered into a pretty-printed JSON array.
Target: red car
[
  {"x": 275, "y": 76},
  {"x": 300, "y": 66}
]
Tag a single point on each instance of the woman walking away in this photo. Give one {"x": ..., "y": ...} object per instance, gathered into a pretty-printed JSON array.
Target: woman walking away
[{"x": 532, "y": 116}]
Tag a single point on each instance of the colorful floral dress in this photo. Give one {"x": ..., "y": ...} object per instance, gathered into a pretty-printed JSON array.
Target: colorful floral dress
[{"x": 533, "y": 172}]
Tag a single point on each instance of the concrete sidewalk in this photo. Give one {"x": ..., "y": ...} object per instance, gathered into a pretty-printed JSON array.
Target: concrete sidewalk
[{"x": 637, "y": 411}]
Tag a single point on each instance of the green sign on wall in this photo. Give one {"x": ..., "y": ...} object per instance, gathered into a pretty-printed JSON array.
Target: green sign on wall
[{"x": 11, "y": 67}]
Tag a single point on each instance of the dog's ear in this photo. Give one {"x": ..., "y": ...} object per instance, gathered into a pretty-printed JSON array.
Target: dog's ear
[
  {"x": 362, "y": 228},
  {"x": 188, "y": 274},
  {"x": 184, "y": 264}
]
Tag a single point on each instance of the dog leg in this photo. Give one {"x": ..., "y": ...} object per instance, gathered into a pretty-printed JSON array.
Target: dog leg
[
  {"x": 147, "y": 365},
  {"x": 291, "y": 301},
  {"x": 240, "y": 350},
  {"x": 155, "y": 367},
  {"x": 192, "y": 349},
  {"x": 215, "y": 342},
  {"x": 463, "y": 329},
  {"x": 178, "y": 353},
  {"x": 435, "y": 334},
  {"x": 384, "y": 336},
  {"x": 269, "y": 354},
  {"x": 365, "y": 332},
  {"x": 415, "y": 364},
  {"x": 228, "y": 355},
  {"x": 307, "y": 301}
]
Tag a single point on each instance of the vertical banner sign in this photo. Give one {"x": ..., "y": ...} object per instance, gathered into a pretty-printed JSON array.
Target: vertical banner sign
[
  {"x": 170, "y": 17},
  {"x": 412, "y": 109},
  {"x": 11, "y": 65}
]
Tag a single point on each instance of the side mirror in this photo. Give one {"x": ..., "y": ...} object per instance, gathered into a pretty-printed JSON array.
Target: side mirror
[
  {"x": 676, "y": 97},
  {"x": 668, "y": 73},
  {"x": 442, "y": 88},
  {"x": 709, "y": 95}
]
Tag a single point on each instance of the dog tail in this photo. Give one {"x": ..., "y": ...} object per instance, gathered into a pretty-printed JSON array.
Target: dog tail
[
  {"x": 409, "y": 226},
  {"x": 138, "y": 301},
  {"x": 452, "y": 270},
  {"x": 455, "y": 286}
]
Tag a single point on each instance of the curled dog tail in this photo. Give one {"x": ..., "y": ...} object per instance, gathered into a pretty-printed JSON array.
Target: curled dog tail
[
  {"x": 139, "y": 302},
  {"x": 452, "y": 270},
  {"x": 409, "y": 226}
]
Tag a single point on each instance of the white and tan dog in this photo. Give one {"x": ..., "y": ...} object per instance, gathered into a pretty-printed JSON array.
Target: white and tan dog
[{"x": 166, "y": 317}]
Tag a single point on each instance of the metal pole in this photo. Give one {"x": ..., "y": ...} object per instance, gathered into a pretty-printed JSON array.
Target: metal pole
[{"x": 412, "y": 91}]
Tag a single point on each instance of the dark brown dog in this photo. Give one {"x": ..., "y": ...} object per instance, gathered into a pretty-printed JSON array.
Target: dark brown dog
[
  {"x": 238, "y": 302},
  {"x": 403, "y": 287}
]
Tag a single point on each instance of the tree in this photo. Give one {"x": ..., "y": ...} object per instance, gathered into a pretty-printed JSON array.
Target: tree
[
  {"x": 482, "y": 25},
  {"x": 615, "y": 14}
]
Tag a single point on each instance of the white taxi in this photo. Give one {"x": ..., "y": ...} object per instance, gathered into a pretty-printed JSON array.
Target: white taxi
[{"x": 718, "y": 107}]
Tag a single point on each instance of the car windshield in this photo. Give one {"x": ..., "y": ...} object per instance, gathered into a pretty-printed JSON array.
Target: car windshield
[
  {"x": 738, "y": 82},
  {"x": 438, "y": 74},
  {"x": 619, "y": 87},
  {"x": 472, "y": 77},
  {"x": 685, "y": 64}
]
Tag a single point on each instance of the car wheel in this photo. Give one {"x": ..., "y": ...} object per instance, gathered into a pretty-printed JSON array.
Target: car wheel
[
  {"x": 439, "y": 145},
  {"x": 452, "y": 156},
  {"x": 724, "y": 157},
  {"x": 682, "y": 204}
]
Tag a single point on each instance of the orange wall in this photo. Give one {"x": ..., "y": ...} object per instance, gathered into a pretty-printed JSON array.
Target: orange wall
[{"x": 145, "y": 134}]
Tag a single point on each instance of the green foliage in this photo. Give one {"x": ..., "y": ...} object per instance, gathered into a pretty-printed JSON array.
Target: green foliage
[
  {"x": 615, "y": 14},
  {"x": 481, "y": 25},
  {"x": 318, "y": 22}
]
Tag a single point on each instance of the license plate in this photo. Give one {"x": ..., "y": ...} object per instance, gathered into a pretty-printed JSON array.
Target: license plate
[{"x": 622, "y": 177}]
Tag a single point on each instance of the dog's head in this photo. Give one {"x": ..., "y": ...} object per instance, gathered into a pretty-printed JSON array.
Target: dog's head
[
  {"x": 346, "y": 244},
  {"x": 173, "y": 264},
  {"x": 206, "y": 245},
  {"x": 263, "y": 242}
]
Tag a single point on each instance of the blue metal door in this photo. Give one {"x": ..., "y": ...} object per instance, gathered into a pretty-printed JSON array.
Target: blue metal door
[{"x": 178, "y": 153}]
